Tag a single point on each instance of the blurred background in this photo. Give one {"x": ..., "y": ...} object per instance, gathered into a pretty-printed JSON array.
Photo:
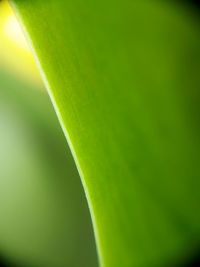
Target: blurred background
[
  {"x": 38, "y": 178},
  {"x": 44, "y": 218}
]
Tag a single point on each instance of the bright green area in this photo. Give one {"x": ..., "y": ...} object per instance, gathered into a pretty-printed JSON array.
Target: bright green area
[
  {"x": 44, "y": 219},
  {"x": 124, "y": 80}
]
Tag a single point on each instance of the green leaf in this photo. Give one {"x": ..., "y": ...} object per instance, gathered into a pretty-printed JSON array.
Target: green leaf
[{"x": 124, "y": 80}]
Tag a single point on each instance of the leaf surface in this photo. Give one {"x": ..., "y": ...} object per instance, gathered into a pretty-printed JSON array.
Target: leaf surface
[{"x": 124, "y": 80}]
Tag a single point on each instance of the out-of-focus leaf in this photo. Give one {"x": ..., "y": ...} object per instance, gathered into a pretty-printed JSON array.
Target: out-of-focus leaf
[
  {"x": 44, "y": 219},
  {"x": 124, "y": 79}
]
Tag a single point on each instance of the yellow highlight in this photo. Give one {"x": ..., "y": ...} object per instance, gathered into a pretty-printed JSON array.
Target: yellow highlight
[
  {"x": 13, "y": 31},
  {"x": 15, "y": 55}
]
